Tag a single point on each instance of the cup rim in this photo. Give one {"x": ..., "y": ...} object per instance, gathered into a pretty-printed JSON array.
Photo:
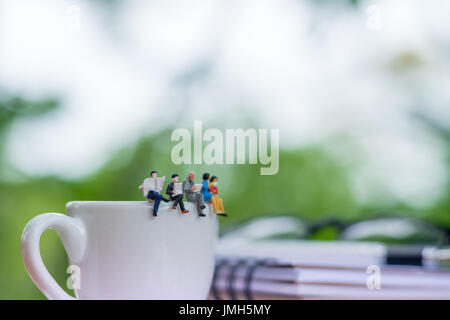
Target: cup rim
[{"x": 90, "y": 203}]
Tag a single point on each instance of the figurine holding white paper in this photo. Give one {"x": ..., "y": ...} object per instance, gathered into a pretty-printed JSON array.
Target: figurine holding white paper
[
  {"x": 175, "y": 192},
  {"x": 155, "y": 184},
  {"x": 191, "y": 190},
  {"x": 177, "y": 189},
  {"x": 151, "y": 187}
]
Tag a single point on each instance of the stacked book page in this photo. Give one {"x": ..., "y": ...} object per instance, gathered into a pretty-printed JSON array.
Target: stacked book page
[{"x": 295, "y": 269}]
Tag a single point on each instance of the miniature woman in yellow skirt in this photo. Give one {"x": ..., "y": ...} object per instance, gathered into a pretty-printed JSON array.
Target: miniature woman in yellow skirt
[{"x": 217, "y": 202}]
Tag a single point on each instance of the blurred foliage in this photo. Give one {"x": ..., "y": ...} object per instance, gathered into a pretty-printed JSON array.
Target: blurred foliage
[
  {"x": 325, "y": 233},
  {"x": 311, "y": 184},
  {"x": 12, "y": 107},
  {"x": 17, "y": 106}
]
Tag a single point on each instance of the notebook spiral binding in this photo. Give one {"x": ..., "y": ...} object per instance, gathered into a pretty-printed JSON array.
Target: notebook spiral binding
[{"x": 234, "y": 264}]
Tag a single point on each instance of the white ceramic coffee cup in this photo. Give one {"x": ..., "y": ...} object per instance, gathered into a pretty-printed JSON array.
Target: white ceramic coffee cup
[{"x": 119, "y": 250}]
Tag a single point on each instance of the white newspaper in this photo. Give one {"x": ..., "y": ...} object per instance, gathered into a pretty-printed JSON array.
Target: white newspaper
[
  {"x": 155, "y": 184},
  {"x": 177, "y": 189},
  {"x": 198, "y": 187}
]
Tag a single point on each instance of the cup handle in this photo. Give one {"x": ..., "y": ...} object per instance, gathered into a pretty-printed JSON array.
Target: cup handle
[{"x": 73, "y": 236}]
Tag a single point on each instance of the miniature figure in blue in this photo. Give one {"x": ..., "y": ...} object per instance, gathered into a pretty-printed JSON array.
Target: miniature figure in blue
[
  {"x": 152, "y": 187},
  {"x": 205, "y": 188}
]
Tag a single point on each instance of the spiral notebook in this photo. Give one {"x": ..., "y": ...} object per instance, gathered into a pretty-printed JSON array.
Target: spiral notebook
[{"x": 254, "y": 277}]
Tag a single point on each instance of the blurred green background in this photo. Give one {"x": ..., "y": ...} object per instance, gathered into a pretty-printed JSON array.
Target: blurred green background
[
  {"x": 383, "y": 85},
  {"x": 310, "y": 184}
]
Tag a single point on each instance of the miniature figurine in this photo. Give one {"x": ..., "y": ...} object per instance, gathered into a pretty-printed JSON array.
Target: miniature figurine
[
  {"x": 215, "y": 199},
  {"x": 176, "y": 194},
  {"x": 190, "y": 190},
  {"x": 205, "y": 188},
  {"x": 152, "y": 187}
]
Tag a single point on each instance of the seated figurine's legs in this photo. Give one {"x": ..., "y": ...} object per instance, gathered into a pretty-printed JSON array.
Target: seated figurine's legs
[
  {"x": 156, "y": 197},
  {"x": 156, "y": 206},
  {"x": 181, "y": 203},
  {"x": 201, "y": 201},
  {"x": 221, "y": 208},
  {"x": 152, "y": 195},
  {"x": 214, "y": 201},
  {"x": 178, "y": 199},
  {"x": 175, "y": 201},
  {"x": 197, "y": 199},
  {"x": 200, "y": 204}
]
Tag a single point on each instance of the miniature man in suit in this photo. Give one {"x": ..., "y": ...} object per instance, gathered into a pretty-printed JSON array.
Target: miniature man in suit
[
  {"x": 178, "y": 198},
  {"x": 189, "y": 190},
  {"x": 154, "y": 193}
]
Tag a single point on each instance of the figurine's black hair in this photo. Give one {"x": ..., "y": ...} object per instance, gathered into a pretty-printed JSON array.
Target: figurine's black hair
[
  {"x": 174, "y": 175},
  {"x": 205, "y": 176},
  {"x": 152, "y": 172},
  {"x": 212, "y": 178}
]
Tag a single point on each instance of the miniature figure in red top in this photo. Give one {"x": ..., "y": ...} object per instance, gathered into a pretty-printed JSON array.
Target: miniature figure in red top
[{"x": 215, "y": 199}]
